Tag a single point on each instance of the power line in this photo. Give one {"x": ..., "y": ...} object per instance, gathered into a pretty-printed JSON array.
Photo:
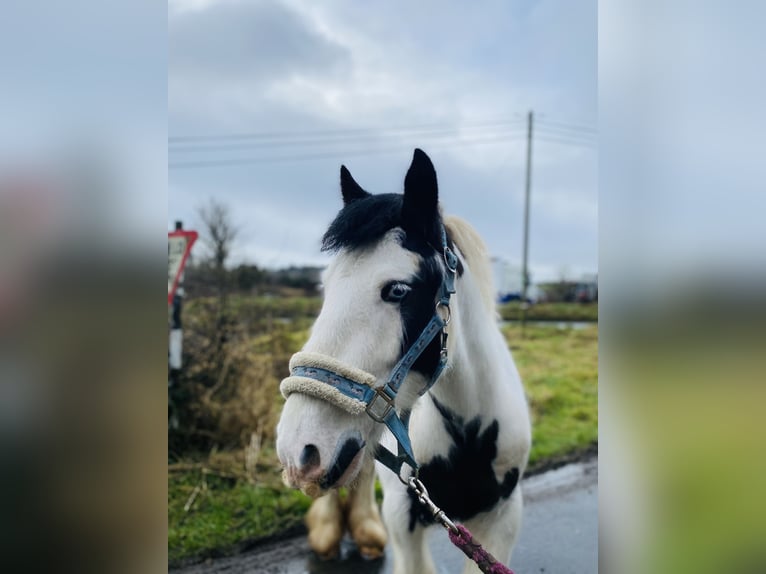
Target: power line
[
  {"x": 448, "y": 133},
  {"x": 324, "y": 155},
  {"x": 569, "y": 127},
  {"x": 192, "y": 139},
  {"x": 342, "y": 153},
  {"x": 373, "y": 131},
  {"x": 593, "y": 144},
  {"x": 314, "y": 144},
  {"x": 572, "y": 134}
]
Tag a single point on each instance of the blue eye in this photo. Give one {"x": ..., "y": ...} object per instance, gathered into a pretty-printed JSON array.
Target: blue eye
[{"x": 394, "y": 292}]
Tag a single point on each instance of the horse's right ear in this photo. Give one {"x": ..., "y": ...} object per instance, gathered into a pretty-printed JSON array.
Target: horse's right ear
[
  {"x": 420, "y": 207},
  {"x": 349, "y": 188}
]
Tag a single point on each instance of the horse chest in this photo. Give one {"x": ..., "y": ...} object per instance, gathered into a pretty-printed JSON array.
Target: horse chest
[{"x": 462, "y": 478}]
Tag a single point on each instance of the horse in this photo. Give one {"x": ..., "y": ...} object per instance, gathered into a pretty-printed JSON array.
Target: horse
[{"x": 406, "y": 355}]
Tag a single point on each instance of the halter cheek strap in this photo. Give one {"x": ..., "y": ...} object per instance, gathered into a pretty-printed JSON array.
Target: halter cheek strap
[{"x": 354, "y": 390}]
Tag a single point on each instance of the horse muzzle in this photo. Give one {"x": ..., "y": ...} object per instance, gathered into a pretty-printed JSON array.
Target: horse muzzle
[{"x": 308, "y": 473}]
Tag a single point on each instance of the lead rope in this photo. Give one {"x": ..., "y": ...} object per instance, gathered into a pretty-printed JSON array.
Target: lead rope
[{"x": 458, "y": 534}]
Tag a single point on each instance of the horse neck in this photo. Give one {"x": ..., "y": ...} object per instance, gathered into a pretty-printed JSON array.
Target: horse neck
[{"x": 473, "y": 340}]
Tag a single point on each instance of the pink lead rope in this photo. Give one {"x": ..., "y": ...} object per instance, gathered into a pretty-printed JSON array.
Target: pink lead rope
[
  {"x": 484, "y": 560},
  {"x": 458, "y": 533}
]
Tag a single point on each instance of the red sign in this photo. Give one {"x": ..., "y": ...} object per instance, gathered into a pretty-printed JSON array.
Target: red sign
[{"x": 179, "y": 247}]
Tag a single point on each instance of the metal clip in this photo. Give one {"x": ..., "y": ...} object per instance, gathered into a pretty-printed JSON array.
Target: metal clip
[
  {"x": 443, "y": 352},
  {"x": 420, "y": 491}
]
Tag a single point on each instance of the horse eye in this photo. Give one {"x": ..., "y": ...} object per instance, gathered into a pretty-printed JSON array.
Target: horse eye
[{"x": 394, "y": 292}]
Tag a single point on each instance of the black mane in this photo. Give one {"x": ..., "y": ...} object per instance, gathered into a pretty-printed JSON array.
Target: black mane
[{"x": 365, "y": 221}]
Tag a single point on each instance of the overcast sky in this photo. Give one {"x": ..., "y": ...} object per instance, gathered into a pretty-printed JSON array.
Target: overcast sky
[{"x": 375, "y": 80}]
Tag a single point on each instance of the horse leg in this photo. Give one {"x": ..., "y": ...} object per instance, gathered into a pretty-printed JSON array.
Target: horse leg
[
  {"x": 410, "y": 549},
  {"x": 496, "y": 530},
  {"x": 362, "y": 514},
  {"x": 326, "y": 526}
]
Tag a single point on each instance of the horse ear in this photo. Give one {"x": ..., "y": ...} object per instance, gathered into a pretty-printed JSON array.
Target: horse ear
[
  {"x": 349, "y": 188},
  {"x": 420, "y": 210}
]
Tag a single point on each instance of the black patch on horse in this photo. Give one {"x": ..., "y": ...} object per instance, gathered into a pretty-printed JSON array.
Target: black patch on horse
[
  {"x": 463, "y": 484},
  {"x": 418, "y": 308},
  {"x": 363, "y": 222}
]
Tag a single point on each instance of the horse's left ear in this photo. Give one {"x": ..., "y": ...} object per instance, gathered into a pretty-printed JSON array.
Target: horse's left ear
[
  {"x": 420, "y": 211},
  {"x": 349, "y": 188}
]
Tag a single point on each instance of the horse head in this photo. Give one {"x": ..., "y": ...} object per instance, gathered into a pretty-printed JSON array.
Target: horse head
[{"x": 380, "y": 292}]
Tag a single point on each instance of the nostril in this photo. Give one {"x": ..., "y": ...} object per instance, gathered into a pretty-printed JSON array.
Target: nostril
[{"x": 309, "y": 457}]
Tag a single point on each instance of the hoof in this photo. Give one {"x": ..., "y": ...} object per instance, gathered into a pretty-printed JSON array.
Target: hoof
[
  {"x": 326, "y": 527},
  {"x": 325, "y": 541},
  {"x": 370, "y": 537}
]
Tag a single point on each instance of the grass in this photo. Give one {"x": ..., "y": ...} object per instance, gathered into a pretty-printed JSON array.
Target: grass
[
  {"x": 225, "y": 512},
  {"x": 559, "y": 368},
  {"x": 551, "y": 311},
  {"x": 689, "y": 401},
  {"x": 233, "y": 507},
  {"x": 257, "y": 309}
]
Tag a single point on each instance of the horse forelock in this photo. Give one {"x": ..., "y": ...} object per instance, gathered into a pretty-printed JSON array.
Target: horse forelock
[{"x": 364, "y": 222}]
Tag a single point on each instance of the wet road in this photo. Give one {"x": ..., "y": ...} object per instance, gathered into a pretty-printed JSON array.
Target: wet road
[{"x": 559, "y": 535}]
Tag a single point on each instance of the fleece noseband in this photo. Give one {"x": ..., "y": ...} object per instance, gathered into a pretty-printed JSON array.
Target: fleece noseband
[{"x": 355, "y": 391}]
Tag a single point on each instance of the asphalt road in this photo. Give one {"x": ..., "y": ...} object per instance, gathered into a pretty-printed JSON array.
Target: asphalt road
[{"x": 559, "y": 535}]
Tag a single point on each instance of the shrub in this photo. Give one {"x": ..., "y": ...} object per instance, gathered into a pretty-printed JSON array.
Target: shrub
[{"x": 229, "y": 387}]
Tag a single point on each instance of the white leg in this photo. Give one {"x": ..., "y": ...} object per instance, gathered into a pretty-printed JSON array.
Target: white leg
[
  {"x": 362, "y": 514},
  {"x": 410, "y": 550},
  {"x": 326, "y": 525},
  {"x": 497, "y": 530}
]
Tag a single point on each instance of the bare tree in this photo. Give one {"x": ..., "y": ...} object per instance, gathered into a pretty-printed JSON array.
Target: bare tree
[
  {"x": 219, "y": 230},
  {"x": 218, "y": 235}
]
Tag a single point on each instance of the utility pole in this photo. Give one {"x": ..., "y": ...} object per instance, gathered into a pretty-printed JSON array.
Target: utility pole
[{"x": 525, "y": 269}]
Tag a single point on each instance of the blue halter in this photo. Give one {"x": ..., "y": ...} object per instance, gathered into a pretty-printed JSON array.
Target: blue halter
[{"x": 380, "y": 401}]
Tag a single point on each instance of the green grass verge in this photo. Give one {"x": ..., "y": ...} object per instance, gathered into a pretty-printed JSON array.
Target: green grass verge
[
  {"x": 559, "y": 368},
  {"x": 257, "y": 309},
  {"x": 560, "y": 372},
  {"x": 551, "y": 311},
  {"x": 225, "y": 512}
]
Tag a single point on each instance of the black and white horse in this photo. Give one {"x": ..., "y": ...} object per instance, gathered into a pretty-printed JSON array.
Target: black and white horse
[{"x": 397, "y": 262}]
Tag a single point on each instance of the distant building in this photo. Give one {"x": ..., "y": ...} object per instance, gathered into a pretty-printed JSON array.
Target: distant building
[
  {"x": 508, "y": 281},
  {"x": 507, "y": 276}
]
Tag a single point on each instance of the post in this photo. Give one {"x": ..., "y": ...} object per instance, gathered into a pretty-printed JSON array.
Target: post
[
  {"x": 525, "y": 269},
  {"x": 175, "y": 344}
]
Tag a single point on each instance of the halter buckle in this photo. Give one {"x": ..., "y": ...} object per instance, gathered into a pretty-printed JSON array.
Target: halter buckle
[{"x": 381, "y": 411}]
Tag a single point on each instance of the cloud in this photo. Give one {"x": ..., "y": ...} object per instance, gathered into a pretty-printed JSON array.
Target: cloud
[
  {"x": 298, "y": 67},
  {"x": 225, "y": 57}
]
